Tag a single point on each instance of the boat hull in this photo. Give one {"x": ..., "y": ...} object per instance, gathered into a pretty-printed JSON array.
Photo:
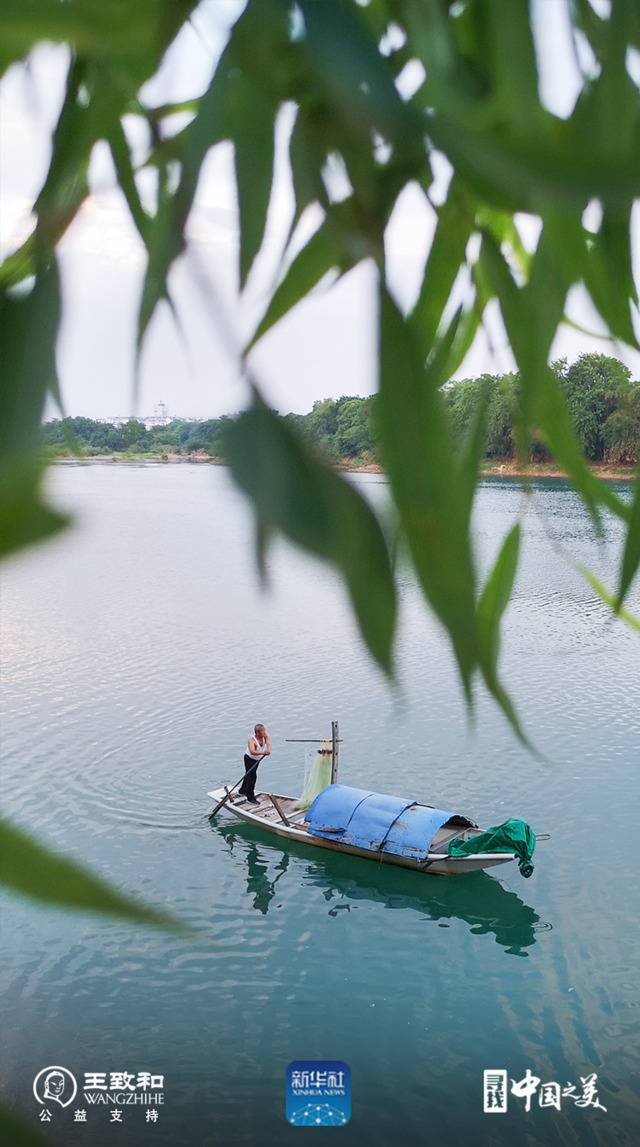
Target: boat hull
[{"x": 265, "y": 816}]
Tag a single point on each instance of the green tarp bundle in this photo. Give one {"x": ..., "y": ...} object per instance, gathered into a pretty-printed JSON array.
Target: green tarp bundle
[{"x": 512, "y": 836}]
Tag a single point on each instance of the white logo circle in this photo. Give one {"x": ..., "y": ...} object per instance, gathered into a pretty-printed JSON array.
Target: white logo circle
[{"x": 55, "y": 1084}]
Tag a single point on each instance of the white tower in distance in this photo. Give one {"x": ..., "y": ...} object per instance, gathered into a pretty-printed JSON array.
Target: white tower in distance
[{"x": 160, "y": 416}]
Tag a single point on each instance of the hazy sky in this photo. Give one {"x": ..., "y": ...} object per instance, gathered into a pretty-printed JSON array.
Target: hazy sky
[{"x": 323, "y": 349}]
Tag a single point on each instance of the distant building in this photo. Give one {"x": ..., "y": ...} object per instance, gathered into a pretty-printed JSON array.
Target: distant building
[{"x": 160, "y": 417}]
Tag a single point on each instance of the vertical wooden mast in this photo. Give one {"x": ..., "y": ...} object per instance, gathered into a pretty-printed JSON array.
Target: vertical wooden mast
[{"x": 335, "y": 749}]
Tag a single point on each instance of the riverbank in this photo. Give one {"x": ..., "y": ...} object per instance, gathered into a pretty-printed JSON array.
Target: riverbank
[
  {"x": 127, "y": 458},
  {"x": 512, "y": 469},
  {"x": 508, "y": 469}
]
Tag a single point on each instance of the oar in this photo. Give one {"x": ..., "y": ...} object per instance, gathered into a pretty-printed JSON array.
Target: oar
[{"x": 247, "y": 774}]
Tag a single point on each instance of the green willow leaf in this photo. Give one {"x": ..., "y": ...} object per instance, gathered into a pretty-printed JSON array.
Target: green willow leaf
[
  {"x": 66, "y": 184},
  {"x": 260, "y": 45},
  {"x": 504, "y": 230},
  {"x": 28, "y": 332},
  {"x": 162, "y": 249},
  {"x": 32, "y": 870},
  {"x": 133, "y": 37},
  {"x": 65, "y": 187},
  {"x": 121, "y": 156},
  {"x": 614, "y": 96},
  {"x": 19, "y": 265},
  {"x": 434, "y": 492},
  {"x": 25, "y": 518},
  {"x": 232, "y": 108},
  {"x": 253, "y": 57},
  {"x": 609, "y": 275},
  {"x": 493, "y": 601},
  {"x": 100, "y": 87},
  {"x": 354, "y": 78},
  {"x": 591, "y": 23},
  {"x": 166, "y": 230},
  {"x": 495, "y": 597},
  {"x": 305, "y": 169},
  {"x": 631, "y": 553},
  {"x": 296, "y": 493},
  {"x": 251, "y": 124},
  {"x": 418, "y": 454},
  {"x": 467, "y": 327},
  {"x": 103, "y": 79},
  {"x": 514, "y": 72},
  {"x": 317, "y": 258},
  {"x": 155, "y": 113},
  {"x": 609, "y": 599},
  {"x": 207, "y": 129},
  {"x": 446, "y": 256},
  {"x": 533, "y": 174}
]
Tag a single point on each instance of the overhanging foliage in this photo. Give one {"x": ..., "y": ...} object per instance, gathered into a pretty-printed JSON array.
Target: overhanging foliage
[{"x": 477, "y": 103}]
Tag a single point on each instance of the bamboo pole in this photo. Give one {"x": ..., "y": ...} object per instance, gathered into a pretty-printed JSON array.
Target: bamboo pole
[{"x": 335, "y": 741}]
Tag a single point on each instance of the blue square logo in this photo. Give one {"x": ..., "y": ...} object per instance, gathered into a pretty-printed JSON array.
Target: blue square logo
[{"x": 318, "y": 1093}]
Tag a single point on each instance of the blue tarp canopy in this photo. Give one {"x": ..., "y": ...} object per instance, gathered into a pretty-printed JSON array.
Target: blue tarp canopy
[{"x": 375, "y": 821}]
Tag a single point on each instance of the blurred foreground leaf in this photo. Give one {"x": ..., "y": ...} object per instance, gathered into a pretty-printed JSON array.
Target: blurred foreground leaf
[
  {"x": 419, "y": 456},
  {"x": 434, "y": 494},
  {"x": 492, "y": 604},
  {"x": 293, "y": 491},
  {"x": 631, "y": 552},
  {"x": 28, "y": 334},
  {"x": 609, "y": 599},
  {"x": 446, "y": 254},
  {"x": 251, "y": 117},
  {"x": 128, "y": 38},
  {"x": 318, "y": 257},
  {"x": 25, "y": 517},
  {"x": 35, "y": 871}
]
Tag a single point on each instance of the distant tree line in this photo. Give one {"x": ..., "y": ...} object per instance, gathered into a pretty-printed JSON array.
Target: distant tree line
[
  {"x": 603, "y": 400},
  {"x": 86, "y": 436}
]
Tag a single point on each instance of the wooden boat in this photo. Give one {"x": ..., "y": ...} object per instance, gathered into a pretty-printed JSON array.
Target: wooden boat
[{"x": 279, "y": 814}]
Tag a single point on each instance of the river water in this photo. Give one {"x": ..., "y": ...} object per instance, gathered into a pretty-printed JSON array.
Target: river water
[{"x": 138, "y": 650}]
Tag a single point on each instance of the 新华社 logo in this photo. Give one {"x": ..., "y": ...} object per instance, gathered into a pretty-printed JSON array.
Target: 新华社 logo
[
  {"x": 55, "y": 1084},
  {"x": 318, "y": 1093}
]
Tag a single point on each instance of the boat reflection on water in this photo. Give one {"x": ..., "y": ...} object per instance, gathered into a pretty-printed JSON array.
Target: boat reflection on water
[{"x": 478, "y": 899}]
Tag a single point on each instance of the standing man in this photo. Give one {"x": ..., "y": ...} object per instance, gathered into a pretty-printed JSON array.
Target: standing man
[{"x": 258, "y": 746}]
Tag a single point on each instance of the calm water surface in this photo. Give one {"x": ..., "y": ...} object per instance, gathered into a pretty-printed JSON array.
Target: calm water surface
[{"x": 137, "y": 652}]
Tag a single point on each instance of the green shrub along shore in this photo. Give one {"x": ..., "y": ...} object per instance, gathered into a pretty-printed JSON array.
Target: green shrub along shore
[{"x": 603, "y": 400}]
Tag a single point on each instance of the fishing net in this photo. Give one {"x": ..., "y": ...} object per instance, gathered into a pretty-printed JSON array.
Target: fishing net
[{"x": 317, "y": 774}]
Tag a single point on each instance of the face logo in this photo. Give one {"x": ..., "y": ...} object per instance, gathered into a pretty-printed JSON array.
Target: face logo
[{"x": 55, "y": 1085}]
